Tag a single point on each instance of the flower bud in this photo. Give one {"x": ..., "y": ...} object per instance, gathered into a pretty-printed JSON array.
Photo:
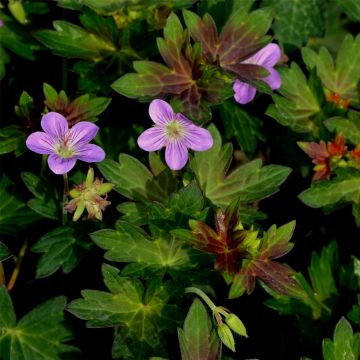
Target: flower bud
[
  {"x": 17, "y": 10},
  {"x": 236, "y": 325},
  {"x": 226, "y": 336}
]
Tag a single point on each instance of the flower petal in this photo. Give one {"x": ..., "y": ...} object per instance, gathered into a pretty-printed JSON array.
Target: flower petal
[
  {"x": 54, "y": 124},
  {"x": 267, "y": 56},
  {"x": 274, "y": 79},
  {"x": 198, "y": 139},
  {"x": 83, "y": 131},
  {"x": 176, "y": 155},
  {"x": 40, "y": 143},
  {"x": 60, "y": 165},
  {"x": 161, "y": 112},
  {"x": 244, "y": 93},
  {"x": 152, "y": 139},
  {"x": 90, "y": 153}
]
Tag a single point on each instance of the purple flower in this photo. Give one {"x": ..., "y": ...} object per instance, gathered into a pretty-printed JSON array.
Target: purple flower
[
  {"x": 174, "y": 131},
  {"x": 63, "y": 145},
  {"x": 267, "y": 58}
]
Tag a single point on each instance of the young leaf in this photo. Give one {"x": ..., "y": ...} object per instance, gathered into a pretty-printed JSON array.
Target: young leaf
[
  {"x": 60, "y": 248},
  {"x": 354, "y": 314},
  {"x": 83, "y": 108},
  {"x": 250, "y": 182},
  {"x": 346, "y": 344},
  {"x": 198, "y": 340},
  {"x": 40, "y": 334},
  {"x": 297, "y": 104},
  {"x": 142, "y": 313},
  {"x": 12, "y": 138}
]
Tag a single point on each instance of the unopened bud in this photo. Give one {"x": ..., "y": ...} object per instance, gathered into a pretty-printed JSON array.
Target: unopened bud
[
  {"x": 236, "y": 325},
  {"x": 17, "y": 10},
  {"x": 89, "y": 178},
  {"x": 226, "y": 336}
]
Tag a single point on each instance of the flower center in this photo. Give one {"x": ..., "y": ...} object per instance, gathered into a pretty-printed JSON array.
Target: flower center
[
  {"x": 174, "y": 130},
  {"x": 64, "y": 150}
]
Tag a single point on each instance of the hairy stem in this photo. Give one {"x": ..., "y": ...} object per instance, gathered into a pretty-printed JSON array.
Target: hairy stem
[{"x": 65, "y": 195}]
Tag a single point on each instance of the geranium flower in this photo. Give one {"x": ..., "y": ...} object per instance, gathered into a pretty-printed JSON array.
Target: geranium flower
[
  {"x": 175, "y": 132},
  {"x": 63, "y": 145},
  {"x": 267, "y": 58}
]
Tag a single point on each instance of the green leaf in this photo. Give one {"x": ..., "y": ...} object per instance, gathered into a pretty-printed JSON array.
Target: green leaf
[
  {"x": 61, "y": 250},
  {"x": 321, "y": 271},
  {"x": 343, "y": 76},
  {"x": 198, "y": 340},
  {"x": 354, "y": 314},
  {"x": 132, "y": 179},
  {"x": 14, "y": 214},
  {"x": 129, "y": 243},
  {"x": 26, "y": 103},
  {"x": 46, "y": 201},
  {"x": 297, "y": 104},
  {"x": 349, "y": 127},
  {"x": 346, "y": 344},
  {"x": 4, "y": 252},
  {"x": 250, "y": 182},
  {"x": 135, "y": 213},
  {"x": 71, "y": 40},
  {"x": 342, "y": 189},
  {"x": 297, "y": 22},
  {"x": 12, "y": 138},
  {"x": 239, "y": 124},
  {"x": 142, "y": 313},
  {"x": 38, "y": 335},
  {"x": 351, "y": 8}
]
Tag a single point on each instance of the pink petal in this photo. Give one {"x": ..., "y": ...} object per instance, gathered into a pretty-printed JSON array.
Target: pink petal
[
  {"x": 274, "y": 79},
  {"x": 161, "y": 112},
  {"x": 40, "y": 143},
  {"x": 176, "y": 155},
  {"x": 244, "y": 93},
  {"x": 83, "y": 131},
  {"x": 90, "y": 153},
  {"x": 198, "y": 139},
  {"x": 152, "y": 139},
  {"x": 267, "y": 56},
  {"x": 54, "y": 124},
  {"x": 59, "y": 165}
]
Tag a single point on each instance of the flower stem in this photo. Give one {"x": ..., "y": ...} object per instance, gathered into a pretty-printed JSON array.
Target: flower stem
[
  {"x": 16, "y": 271},
  {"x": 43, "y": 165},
  {"x": 65, "y": 195},
  {"x": 202, "y": 295}
]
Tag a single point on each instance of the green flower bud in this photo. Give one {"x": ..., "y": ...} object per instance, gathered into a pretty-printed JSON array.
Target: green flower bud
[
  {"x": 17, "y": 10},
  {"x": 89, "y": 178},
  {"x": 79, "y": 210},
  {"x": 236, "y": 325},
  {"x": 226, "y": 336},
  {"x": 74, "y": 193},
  {"x": 105, "y": 188}
]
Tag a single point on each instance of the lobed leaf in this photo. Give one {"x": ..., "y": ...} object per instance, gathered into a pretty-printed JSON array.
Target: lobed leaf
[{"x": 40, "y": 334}]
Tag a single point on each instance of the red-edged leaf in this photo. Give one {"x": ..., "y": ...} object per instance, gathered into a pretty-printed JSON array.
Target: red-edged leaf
[
  {"x": 243, "y": 35},
  {"x": 204, "y": 31}
]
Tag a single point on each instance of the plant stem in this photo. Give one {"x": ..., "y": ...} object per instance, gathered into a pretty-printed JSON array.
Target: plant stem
[
  {"x": 202, "y": 295},
  {"x": 43, "y": 165},
  {"x": 65, "y": 195},
  {"x": 16, "y": 271},
  {"x": 2, "y": 275}
]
